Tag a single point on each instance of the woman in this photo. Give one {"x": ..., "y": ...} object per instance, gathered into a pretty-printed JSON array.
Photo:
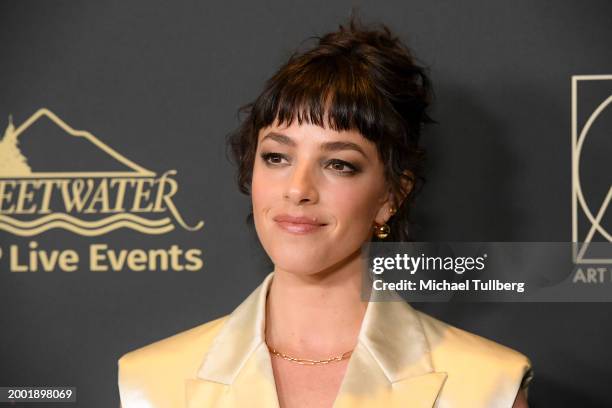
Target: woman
[{"x": 330, "y": 154}]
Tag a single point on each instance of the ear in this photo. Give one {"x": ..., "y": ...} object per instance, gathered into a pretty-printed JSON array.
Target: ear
[
  {"x": 394, "y": 199},
  {"x": 385, "y": 211}
]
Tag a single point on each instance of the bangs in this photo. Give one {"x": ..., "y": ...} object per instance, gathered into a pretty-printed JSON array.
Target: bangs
[{"x": 329, "y": 91}]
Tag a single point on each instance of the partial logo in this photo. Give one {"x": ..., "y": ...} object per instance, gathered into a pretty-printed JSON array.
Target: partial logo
[
  {"x": 591, "y": 165},
  {"x": 84, "y": 186}
]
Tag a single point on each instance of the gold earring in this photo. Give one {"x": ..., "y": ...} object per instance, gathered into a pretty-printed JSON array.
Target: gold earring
[
  {"x": 382, "y": 231},
  {"x": 392, "y": 210}
]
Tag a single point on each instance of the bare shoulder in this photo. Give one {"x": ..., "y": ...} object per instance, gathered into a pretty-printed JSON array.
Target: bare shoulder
[{"x": 521, "y": 400}]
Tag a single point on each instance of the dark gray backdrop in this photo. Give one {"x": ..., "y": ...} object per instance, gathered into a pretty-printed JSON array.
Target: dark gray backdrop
[{"x": 161, "y": 82}]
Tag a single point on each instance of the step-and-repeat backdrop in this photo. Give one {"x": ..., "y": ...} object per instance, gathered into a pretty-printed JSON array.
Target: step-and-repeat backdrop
[{"x": 121, "y": 222}]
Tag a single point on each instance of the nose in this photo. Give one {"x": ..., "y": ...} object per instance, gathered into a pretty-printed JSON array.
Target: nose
[{"x": 301, "y": 187}]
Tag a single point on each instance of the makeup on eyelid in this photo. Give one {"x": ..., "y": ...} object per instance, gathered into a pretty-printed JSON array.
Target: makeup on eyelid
[{"x": 352, "y": 168}]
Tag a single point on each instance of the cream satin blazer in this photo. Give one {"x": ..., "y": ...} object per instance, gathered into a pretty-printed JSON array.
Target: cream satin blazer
[{"x": 403, "y": 358}]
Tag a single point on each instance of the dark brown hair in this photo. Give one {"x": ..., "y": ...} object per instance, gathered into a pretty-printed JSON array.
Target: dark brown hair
[{"x": 356, "y": 78}]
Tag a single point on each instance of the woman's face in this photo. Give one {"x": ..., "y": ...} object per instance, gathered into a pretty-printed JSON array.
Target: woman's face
[{"x": 316, "y": 195}]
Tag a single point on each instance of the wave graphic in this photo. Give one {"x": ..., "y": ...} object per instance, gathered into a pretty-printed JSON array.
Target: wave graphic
[{"x": 85, "y": 228}]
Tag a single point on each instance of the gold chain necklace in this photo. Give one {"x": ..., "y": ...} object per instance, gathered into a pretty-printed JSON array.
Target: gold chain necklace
[{"x": 305, "y": 361}]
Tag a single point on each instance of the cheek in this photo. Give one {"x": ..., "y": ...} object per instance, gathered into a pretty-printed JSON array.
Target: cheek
[
  {"x": 355, "y": 207},
  {"x": 261, "y": 192},
  {"x": 265, "y": 195}
]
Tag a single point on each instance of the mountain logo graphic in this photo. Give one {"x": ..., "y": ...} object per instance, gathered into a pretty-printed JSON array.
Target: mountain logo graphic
[
  {"x": 591, "y": 179},
  {"x": 88, "y": 203}
]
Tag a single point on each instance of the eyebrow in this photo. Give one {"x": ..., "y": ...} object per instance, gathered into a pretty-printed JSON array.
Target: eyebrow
[{"x": 327, "y": 146}]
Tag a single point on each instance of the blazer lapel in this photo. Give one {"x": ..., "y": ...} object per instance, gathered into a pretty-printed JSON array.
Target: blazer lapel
[
  {"x": 204, "y": 393},
  {"x": 390, "y": 366},
  {"x": 415, "y": 392},
  {"x": 253, "y": 387},
  {"x": 237, "y": 371}
]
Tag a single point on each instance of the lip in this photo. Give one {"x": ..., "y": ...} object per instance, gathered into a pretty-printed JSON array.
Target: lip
[{"x": 299, "y": 224}]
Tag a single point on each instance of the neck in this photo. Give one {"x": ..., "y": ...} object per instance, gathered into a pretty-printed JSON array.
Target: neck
[{"x": 316, "y": 315}]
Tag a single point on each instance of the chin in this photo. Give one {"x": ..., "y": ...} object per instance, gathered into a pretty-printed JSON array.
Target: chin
[
  {"x": 297, "y": 270},
  {"x": 299, "y": 263},
  {"x": 306, "y": 263}
]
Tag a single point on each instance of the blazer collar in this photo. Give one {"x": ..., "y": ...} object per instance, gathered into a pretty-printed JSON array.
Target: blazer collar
[{"x": 392, "y": 352}]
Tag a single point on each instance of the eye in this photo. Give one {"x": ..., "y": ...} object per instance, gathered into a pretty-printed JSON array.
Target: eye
[
  {"x": 273, "y": 158},
  {"x": 342, "y": 167}
]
